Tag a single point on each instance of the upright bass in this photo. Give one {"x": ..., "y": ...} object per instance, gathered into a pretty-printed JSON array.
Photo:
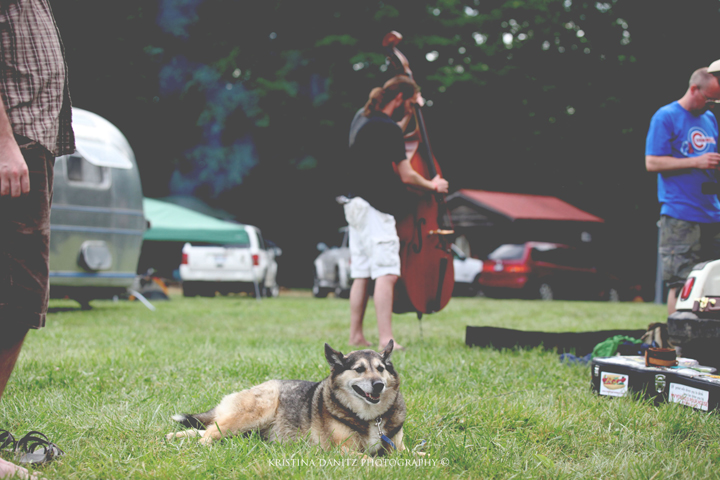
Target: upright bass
[{"x": 426, "y": 260}]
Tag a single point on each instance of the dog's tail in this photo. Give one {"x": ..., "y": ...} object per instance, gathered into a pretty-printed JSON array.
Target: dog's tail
[{"x": 197, "y": 420}]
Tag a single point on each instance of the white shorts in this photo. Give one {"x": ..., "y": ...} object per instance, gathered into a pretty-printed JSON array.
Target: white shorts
[{"x": 374, "y": 243}]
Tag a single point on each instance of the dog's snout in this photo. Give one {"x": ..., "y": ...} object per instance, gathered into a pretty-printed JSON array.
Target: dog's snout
[{"x": 378, "y": 386}]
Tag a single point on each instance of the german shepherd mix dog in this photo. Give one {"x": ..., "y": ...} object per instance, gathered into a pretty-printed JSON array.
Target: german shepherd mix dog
[{"x": 358, "y": 407}]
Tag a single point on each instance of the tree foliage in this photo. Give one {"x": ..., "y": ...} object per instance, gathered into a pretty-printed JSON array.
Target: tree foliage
[{"x": 246, "y": 105}]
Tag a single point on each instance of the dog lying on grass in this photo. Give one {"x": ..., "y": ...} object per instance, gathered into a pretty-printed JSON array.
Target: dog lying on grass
[{"x": 358, "y": 407}]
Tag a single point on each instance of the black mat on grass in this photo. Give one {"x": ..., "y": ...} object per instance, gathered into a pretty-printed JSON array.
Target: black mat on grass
[{"x": 579, "y": 343}]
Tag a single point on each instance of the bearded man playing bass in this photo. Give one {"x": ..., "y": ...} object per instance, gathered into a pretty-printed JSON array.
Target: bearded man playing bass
[{"x": 379, "y": 174}]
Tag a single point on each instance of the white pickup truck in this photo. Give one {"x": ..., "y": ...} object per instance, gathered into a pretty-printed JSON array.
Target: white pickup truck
[{"x": 248, "y": 266}]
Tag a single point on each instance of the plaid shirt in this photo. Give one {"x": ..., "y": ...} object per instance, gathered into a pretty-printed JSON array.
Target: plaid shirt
[{"x": 33, "y": 75}]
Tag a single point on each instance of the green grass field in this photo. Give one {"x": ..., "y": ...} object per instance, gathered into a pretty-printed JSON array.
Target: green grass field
[{"x": 103, "y": 383}]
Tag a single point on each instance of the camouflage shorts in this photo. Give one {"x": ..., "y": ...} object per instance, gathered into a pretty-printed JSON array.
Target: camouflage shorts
[{"x": 685, "y": 244}]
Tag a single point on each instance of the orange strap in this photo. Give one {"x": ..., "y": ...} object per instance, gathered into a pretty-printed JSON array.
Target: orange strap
[{"x": 660, "y": 357}]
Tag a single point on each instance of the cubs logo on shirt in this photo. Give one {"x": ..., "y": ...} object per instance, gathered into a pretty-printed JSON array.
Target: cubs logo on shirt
[{"x": 698, "y": 142}]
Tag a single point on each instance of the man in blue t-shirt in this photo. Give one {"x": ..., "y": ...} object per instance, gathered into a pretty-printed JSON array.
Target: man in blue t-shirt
[{"x": 682, "y": 148}]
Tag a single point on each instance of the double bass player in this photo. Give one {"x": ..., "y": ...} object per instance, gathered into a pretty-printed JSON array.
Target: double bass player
[{"x": 380, "y": 173}]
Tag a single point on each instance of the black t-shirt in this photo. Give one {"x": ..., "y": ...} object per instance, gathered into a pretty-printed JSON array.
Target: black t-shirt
[{"x": 376, "y": 142}]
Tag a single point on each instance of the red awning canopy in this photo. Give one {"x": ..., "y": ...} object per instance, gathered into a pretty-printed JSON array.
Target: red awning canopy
[{"x": 519, "y": 206}]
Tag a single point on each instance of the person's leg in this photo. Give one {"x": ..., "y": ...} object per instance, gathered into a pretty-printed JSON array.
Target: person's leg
[
  {"x": 358, "y": 303},
  {"x": 355, "y": 214},
  {"x": 383, "y": 298},
  {"x": 24, "y": 267},
  {"x": 10, "y": 345},
  {"x": 385, "y": 269},
  {"x": 680, "y": 251},
  {"x": 671, "y": 300}
]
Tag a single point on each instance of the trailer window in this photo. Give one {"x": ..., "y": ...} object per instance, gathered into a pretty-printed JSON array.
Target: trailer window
[{"x": 80, "y": 170}]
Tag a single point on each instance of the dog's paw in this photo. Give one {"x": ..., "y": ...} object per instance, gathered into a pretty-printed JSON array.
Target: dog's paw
[{"x": 185, "y": 434}]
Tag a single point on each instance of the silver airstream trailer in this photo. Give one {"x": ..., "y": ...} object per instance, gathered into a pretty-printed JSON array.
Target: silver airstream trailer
[{"x": 96, "y": 221}]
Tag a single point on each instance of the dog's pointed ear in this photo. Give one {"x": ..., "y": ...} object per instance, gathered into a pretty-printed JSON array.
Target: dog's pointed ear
[
  {"x": 388, "y": 350},
  {"x": 334, "y": 358}
]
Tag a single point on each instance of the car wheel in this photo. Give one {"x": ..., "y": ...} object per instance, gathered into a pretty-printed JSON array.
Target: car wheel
[
  {"x": 463, "y": 290},
  {"x": 339, "y": 291},
  {"x": 474, "y": 288},
  {"x": 491, "y": 292},
  {"x": 188, "y": 289},
  {"x": 207, "y": 290},
  {"x": 272, "y": 292},
  {"x": 84, "y": 303},
  {"x": 318, "y": 291},
  {"x": 545, "y": 291},
  {"x": 613, "y": 295},
  {"x": 342, "y": 292}
]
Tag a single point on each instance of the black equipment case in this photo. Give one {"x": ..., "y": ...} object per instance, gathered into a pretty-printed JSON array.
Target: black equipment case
[{"x": 688, "y": 383}]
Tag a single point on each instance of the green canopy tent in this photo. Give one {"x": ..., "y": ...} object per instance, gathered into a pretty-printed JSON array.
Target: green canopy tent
[
  {"x": 171, "y": 226},
  {"x": 172, "y": 223}
]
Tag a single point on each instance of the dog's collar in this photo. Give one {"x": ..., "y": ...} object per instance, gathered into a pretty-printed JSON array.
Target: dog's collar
[{"x": 383, "y": 437}]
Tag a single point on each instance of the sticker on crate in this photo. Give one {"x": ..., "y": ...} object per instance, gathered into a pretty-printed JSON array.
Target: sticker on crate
[
  {"x": 613, "y": 384},
  {"x": 692, "y": 397}
]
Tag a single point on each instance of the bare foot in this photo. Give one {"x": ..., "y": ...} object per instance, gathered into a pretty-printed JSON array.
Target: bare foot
[
  {"x": 8, "y": 469},
  {"x": 359, "y": 342},
  {"x": 397, "y": 346}
]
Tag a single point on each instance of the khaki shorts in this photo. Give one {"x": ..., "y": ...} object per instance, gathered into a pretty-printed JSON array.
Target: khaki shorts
[
  {"x": 374, "y": 243},
  {"x": 25, "y": 243},
  {"x": 685, "y": 244}
]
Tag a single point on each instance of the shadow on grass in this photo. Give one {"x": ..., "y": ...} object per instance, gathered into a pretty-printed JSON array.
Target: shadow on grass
[{"x": 66, "y": 309}]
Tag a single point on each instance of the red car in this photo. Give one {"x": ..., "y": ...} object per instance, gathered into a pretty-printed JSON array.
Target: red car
[{"x": 545, "y": 271}]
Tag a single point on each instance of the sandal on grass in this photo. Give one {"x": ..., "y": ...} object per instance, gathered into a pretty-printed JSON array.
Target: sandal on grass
[
  {"x": 7, "y": 441},
  {"x": 35, "y": 448}
]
